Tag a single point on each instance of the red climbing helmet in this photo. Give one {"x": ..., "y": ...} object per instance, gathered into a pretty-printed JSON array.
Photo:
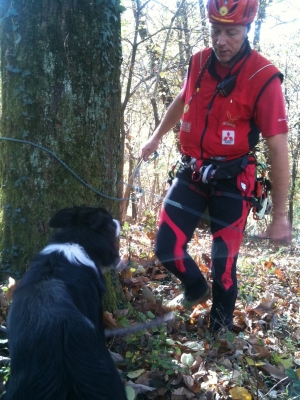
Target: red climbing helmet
[{"x": 238, "y": 12}]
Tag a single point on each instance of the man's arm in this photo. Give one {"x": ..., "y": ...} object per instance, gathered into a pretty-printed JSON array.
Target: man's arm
[
  {"x": 170, "y": 119},
  {"x": 279, "y": 230}
]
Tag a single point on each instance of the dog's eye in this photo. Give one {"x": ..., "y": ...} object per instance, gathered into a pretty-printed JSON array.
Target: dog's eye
[{"x": 118, "y": 227}]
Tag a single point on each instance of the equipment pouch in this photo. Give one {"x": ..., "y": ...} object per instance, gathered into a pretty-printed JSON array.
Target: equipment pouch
[
  {"x": 263, "y": 205},
  {"x": 229, "y": 169}
]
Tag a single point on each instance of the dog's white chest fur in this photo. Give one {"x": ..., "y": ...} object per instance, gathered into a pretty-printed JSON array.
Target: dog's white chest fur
[{"x": 74, "y": 253}]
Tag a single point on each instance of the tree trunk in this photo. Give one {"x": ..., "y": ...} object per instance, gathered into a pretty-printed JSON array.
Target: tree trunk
[
  {"x": 204, "y": 27},
  {"x": 294, "y": 143},
  {"x": 60, "y": 67},
  {"x": 130, "y": 71},
  {"x": 261, "y": 16}
]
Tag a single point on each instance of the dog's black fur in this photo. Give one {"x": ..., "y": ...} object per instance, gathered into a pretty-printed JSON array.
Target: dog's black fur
[{"x": 55, "y": 326}]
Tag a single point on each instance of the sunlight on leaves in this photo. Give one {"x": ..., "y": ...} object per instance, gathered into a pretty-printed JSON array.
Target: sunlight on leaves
[
  {"x": 253, "y": 363},
  {"x": 130, "y": 393},
  {"x": 135, "y": 374},
  {"x": 187, "y": 359},
  {"x": 239, "y": 393}
]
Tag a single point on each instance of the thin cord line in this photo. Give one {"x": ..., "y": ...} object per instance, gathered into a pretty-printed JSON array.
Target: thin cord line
[
  {"x": 137, "y": 188},
  {"x": 65, "y": 165}
]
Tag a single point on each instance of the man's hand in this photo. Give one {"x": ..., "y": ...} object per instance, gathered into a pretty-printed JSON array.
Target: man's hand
[
  {"x": 149, "y": 147},
  {"x": 170, "y": 119},
  {"x": 279, "y": 232}
]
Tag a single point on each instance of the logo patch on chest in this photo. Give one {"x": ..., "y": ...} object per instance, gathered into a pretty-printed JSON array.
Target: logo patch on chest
[
  {"x": 231, "y": 120},
  {"x": 228, "y": 137},
  {"x": 185, "y": 126}
]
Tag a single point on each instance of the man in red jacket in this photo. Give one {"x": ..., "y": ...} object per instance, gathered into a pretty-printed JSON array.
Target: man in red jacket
[{"x": 230, "y": 96}]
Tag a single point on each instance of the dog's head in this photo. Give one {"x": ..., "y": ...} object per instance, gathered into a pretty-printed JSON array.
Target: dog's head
[{"x": 94, "y": 229}]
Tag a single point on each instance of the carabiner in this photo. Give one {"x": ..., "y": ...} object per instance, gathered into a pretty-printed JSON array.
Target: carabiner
[
  {"x": 136, "y": 173},
  {"x": 196, "y": 176},
  {"x": 155, "y": 155}
]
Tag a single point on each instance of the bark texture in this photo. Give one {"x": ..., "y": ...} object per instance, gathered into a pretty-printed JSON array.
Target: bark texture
[{"x": 60, "y": 67}]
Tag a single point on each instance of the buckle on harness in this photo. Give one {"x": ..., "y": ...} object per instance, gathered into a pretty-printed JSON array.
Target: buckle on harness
[
  {"x": 188, "y": 161},
  {"x": 172, "y": 171},
  {"x": 205, "y": 173}
]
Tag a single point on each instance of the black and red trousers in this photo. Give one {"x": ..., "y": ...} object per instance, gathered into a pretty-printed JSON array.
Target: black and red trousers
[{"x": 184, "y": 206}]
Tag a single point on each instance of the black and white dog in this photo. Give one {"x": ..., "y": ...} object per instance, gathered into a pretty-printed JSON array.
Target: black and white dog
[{"x": 55, "y": 326}]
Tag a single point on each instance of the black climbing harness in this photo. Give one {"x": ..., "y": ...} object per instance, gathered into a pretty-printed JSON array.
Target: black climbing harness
[{"x": 209, "y": 172}]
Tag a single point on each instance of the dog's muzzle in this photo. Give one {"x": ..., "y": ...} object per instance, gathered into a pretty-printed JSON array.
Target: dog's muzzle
[
  {"x": 120, "y": 265},
  {"x": 118, "y": 227}
]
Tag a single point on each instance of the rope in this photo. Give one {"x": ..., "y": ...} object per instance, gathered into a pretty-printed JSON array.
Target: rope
[
  {"x": 136, "y": 175},
  {"x": 66, "y": 166}
]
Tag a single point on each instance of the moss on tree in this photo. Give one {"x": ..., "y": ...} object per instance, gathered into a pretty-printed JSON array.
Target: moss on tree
[{"x": 60, "y": 67}]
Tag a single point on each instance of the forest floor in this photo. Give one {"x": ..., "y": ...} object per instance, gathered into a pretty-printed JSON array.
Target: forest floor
[{"x": 179, "y": 360}]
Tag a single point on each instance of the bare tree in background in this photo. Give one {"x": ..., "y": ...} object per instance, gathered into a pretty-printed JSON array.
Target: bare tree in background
[
  {"x": 204, "y": 27},
  {"x": 261, "y": 16}
]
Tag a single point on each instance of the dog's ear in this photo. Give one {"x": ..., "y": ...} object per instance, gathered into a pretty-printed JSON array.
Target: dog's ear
[
  {"x": 94, "y": 218},
  {"x": 99, "y": 217},
  {"x": 63, "y": 218}
]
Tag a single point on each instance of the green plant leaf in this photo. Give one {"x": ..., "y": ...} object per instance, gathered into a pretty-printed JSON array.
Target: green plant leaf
[
  {"x": 187, "y": 359},
  {"x": 135, "y": 374},
  {"x": 284, "y": 359},
  {"x": 130, "y": 393}
]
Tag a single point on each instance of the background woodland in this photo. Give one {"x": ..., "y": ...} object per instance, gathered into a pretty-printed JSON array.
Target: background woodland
[
  {"x": 84, "y": 84},
  {"x": 157, "y": 41}
]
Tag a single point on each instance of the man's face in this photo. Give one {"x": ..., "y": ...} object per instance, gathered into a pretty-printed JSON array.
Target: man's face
[{"x": 227, "y": 41}]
